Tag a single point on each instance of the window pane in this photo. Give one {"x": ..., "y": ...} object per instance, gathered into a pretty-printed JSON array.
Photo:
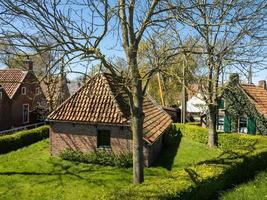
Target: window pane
[
  {"x": 25, "y": 113},
  {"x": 243, "y": 124},
  {"x": 23, "y": 90},
  {"x": 103, "y": 138},
  {"x": 220, "y": 122}
]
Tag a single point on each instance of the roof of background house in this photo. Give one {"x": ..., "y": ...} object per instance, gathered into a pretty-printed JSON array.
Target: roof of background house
[
  {"x": 51, "y": 86},
  {"x": 102, "y": 100},
  {"x": 196, "y": 104},
  {"x": 258, "y": 95},
  {"x": 10, "y": 79}
]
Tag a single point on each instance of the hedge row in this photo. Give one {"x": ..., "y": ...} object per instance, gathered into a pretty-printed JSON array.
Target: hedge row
[
  {"x": 205, "y": 179},
  {"x": 225, "y": 140},
  {"x": 22, "y": 138},
  {"x": 100, "y": 157}
]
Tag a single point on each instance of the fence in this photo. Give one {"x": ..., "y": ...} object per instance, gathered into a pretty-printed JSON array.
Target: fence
[{"x": 13, "y": 130}]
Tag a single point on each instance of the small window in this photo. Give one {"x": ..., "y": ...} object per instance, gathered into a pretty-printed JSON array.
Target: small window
[
  {"x": 103, "y": 138},
  {"x": 243, "y": 124},
  {"x": 25, "y": 113},
  {"x": 221, "y": 104},
  {"x": 37, "y": 91},
  {"x": 1, "y": 95},
  {"x": 220, "y": 125},
  {"x": 23, "y": 90}
]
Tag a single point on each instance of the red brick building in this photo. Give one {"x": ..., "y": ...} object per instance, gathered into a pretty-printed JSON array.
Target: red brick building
[
  {"x": 98, "y": 116},
  {"x": 20, "y": 98}
]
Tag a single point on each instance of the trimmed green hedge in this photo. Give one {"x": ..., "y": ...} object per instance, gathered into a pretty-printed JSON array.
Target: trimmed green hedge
[
  {"x": 225, "y": 140},
  {"x": 22, "y": 138},
  {"x": 206, "y": 179},
  {"x": 100, "y": 157}
]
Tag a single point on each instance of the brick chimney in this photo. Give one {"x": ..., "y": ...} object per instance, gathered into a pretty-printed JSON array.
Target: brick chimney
[
  {"x": 262, "y": 84},
  {"x": 28, "y": 64}
]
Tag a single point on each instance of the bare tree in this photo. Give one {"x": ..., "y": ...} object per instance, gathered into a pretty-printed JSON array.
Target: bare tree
[
  {"x": 231, "y": 34},
  {"x": 77, "y": 29}
]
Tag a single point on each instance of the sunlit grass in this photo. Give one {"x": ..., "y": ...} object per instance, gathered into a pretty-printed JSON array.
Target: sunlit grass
[{"x": 31, "y": 173}]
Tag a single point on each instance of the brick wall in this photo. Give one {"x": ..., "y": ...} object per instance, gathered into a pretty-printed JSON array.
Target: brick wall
[
  {"x": 5, "y": 114},
  {"x": 31, "y": 83},
  {"x": 83, "y": 137}
]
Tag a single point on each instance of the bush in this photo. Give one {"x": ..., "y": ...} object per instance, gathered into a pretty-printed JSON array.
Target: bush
[
  {"x": 202, "y": 181},
  {"x": 225, "y": 140},
  {"x": 22, "y": 138},
  {"x": 195, "y": 133},
  {"x": 100, "y": 157},
  {"x": 205, "y": 179}
]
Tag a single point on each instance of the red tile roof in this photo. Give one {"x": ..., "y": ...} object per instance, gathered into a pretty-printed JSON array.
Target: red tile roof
[
  {"x": 258, "y": 95},
  {"x": 102, "y": 100},
  {"x": 11, "y": 79}
]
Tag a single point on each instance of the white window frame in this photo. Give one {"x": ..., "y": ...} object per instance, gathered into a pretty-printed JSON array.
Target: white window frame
[
  {"x": 23, "y": 90},
  {"x": 37, "y": 91},
  {"x": 23, "y": 120},
  {"x": 244, "y": 128},
  {"x": 220, "y": 127}
]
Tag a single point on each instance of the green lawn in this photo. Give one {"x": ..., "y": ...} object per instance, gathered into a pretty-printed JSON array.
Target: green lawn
[
  {"x": 31, "y": 173},
  {"x": 253, "y": 190}
]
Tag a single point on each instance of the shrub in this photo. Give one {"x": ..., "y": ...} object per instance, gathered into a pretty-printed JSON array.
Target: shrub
[
  {"x": 225, "y": 140},
  {"x": 195, "y": 133},
  {"x": 205, "y": 179},
  {"x": 100, "y": 157},
  {"x": 22, "y": 138}
]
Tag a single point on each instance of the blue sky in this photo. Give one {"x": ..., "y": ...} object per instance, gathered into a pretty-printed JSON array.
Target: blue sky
[{"x": 111, "y": 47}]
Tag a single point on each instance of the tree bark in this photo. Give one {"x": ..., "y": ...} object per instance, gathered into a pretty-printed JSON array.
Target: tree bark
[
  {"x": 137, "y": 131},
  {"x": 212, "y": 140},
  {"x": 137, "y": 120},
  {"x": 160, "y": 90}
]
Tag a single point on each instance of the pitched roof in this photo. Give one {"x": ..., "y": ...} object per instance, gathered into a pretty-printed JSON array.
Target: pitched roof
[
  {"x": 51, "y": 86},
  {"x": 102, "y": 100},
  {"x": 258, "y": 95},
  {"x": 10, "y": 79}
]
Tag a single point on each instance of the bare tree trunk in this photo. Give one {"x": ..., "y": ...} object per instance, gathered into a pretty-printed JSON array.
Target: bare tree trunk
[
  {"x": 137, "y": 131},
  {"x": 183, "y": 118},
  {"x": 212, "y": 140},
  {"x": 137, "y": 123},
  {"x": 160, "y": 89}
]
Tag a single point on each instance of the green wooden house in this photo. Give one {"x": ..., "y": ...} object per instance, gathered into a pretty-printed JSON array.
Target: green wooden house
[{"x": 243, "y": 107}]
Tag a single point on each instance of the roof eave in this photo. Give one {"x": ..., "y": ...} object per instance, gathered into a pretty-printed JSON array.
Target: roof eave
[
  {"x": 91, "y": 123},
  {"x": 152, "y": 142}
]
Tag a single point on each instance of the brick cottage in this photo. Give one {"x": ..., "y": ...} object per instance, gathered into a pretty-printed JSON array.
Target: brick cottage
[
  {"x": 98, "y": 116},
  {"x": 20, "y": 97}
]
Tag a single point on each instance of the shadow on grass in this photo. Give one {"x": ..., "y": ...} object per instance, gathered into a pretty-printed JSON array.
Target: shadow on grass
[
  {"x": 235, "y": 172},
  {"x": 58, "y": 170},
  {"x": 228, "y": 156},
  {"x": 169, "y": 151}
]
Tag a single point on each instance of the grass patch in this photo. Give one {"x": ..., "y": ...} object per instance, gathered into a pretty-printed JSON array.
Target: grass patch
[
  {"x": 253, "y": 190},
  {"x": 241, "y": 157},
  {"x": 31, "y": 173}
]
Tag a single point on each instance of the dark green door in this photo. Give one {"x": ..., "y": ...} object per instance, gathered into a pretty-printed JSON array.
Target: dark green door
[
  {"x": 227, "y": 123},
  {"x": 251, "y": 125}
]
